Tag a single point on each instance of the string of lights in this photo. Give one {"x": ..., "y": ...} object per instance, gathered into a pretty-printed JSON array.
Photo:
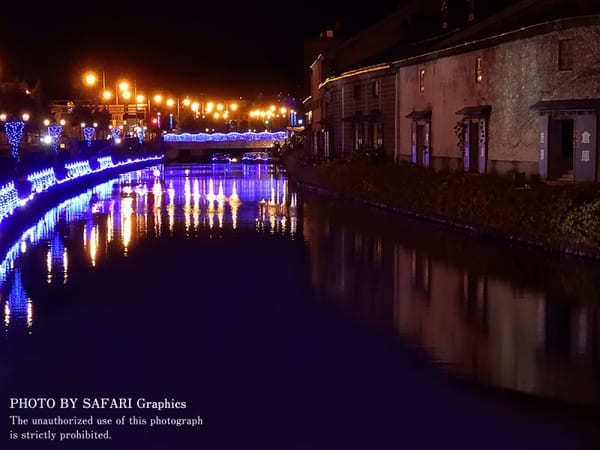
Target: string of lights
[
  {"x": 14, "y": 133},
  {"x": 105, "y": 162},
  {"x": 88, "y": 134},
  {"x": 9, "y": 199},
  {"x": 42, "y": 179},
  {"x": 140, "y": 134},
  {"x": 55, "y": 132},
  {"x": 78, "y": 168},
  {"x": 226, "y": 137}
]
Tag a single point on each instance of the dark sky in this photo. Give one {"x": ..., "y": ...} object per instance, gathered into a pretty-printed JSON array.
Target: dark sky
[{"x": 219, "y": 48}]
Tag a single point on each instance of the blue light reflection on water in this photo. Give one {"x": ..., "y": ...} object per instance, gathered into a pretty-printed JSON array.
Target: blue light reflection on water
[{"x": 141, "y": 204}]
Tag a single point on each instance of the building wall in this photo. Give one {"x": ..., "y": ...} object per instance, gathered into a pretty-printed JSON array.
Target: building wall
[
  {"x": 340, "y": 103},
  {"x": 516, "y": 75}
]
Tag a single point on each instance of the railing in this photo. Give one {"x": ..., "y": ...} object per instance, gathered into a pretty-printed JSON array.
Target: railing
[
  {"x": 226, "y": 137},
  {"x": 45, "y": 179}
]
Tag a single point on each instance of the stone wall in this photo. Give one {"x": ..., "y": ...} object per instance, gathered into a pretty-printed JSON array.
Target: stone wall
[{"x": 516, "y": 74}]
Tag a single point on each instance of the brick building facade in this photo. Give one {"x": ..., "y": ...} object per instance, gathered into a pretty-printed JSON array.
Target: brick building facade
[{"x": 480, "y": 98}]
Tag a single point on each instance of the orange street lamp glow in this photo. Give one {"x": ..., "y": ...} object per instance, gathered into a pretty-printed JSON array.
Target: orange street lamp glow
[
  {"x": 124, "y": 85},
  {"x": 233, "y": 106},
  {"x": 187, "y": 102},
  {"x": 209, "y": 106},
  {"x": 272, "y": 108},
  {"x": 219, "y": 107},
  {"x": 25, "y": 117},
  {"x": 216, "y": 115},
  {"x": 140, "y": 98},
  {"x": 126, "y": 95},
  {"x": 158, "y": 98},
  {"x": 90, "y": 79},
  {"x": 107, "y": 95},
  {"x": 195, "y": 106},
  {"x": 170, "y": 102},
  {"x": 46, "y": 122},
  {"x": 283, "y": 110}
]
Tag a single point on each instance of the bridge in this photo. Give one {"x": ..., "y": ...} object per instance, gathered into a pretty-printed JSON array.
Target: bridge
[{"x": 199, "y": 145}]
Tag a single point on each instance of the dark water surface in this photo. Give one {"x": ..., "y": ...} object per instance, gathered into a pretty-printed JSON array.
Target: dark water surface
[{"x": 288, "y": 321}]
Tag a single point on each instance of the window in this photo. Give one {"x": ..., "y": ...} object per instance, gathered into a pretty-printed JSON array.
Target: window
[
  {"x": 422, "y": 80},
  {"x": 357, "y": 91},
  {"x": 359, "y": 136},
  {"x": 565, "y": 54},
  {"x": 478, "y": 70},
  {"x": 375, "y": 88}
]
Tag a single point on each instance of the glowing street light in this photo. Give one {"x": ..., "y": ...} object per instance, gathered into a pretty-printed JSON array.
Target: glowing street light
[
  {"x": 126, "y": 95},
  {"x": 158, "y": 98},
  {"x": 46, "y": 122},
  {"x": 283, "y": 110},
  {"x": 233, "y": 106},
  {"x": 107, "y": 95},
  {"x": 25, "y": 117},
  {"x": 90, "y": 79},
  {"x": 272, "y": 108},
  {"x": 195, "y": 106},
  {"x": 2, "y": 117},
  {"x": 209, "y": 106},
  {"x": 216, "y": 115},
  {"x": 140, "y": 98},
  {"x": 186, "y": 101},
  {"x": 220, "y": 107},
  {"x": 124, "y": 86},
  {"x": 63, "y": 122},
  {"x": 170, "y": 102}
]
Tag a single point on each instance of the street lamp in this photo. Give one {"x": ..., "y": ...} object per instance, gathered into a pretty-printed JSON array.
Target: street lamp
[{"x": 90, "y": 79}]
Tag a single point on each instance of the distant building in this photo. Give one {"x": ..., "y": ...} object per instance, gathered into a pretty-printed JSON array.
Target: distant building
[{"x": 516, "y": 88}]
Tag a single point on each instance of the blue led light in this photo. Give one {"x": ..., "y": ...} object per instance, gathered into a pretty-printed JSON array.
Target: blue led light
[
  {"x": 55, "y": 131},
  {"x": 88, "y": 134},
  {"x": 140, "y": 134},
  {"x": 226, "y": 137},
  {"x": 9, "y": 199},
  {"x": 105, "y": 162},
  {"x": 42, "y": 179},
  {"x": 78, "y": 168},
  {"x": 14, "y": 133},
  {"x": 116, "y": 134}
]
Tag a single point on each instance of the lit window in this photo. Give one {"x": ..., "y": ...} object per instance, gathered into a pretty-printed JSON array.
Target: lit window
[
  {"x": 422, "y": 80},
  {"x": 565, "y": 54},
  {"x": 478, "y": 70}
]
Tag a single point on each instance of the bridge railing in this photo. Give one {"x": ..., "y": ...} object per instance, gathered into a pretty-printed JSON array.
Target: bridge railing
[{"x": 226, "y": 137}]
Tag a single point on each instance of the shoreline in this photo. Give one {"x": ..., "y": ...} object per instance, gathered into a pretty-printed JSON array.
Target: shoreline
[{"x": 446, "y": 221}]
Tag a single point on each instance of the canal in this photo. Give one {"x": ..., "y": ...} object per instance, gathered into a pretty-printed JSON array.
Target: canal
[{"x": 287, "y": 320}]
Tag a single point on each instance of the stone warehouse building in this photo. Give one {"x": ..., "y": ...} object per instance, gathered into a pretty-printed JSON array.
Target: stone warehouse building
[{"x": 455, "y": 86}]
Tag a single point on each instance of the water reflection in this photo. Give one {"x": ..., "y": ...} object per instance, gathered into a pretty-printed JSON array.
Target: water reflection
[
  {"x": 482, "y": 311},
  {"x": 506, "y": 317},
  {"x": 131, "y": 209}
]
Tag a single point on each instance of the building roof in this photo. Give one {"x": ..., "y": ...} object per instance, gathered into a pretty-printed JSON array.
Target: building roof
[
  {"x": 588, "y": 104},
  {"x": 419, "y": 32}
]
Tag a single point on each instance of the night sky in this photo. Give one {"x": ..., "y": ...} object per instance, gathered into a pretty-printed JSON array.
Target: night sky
[{"x": 218, "y": 48}]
